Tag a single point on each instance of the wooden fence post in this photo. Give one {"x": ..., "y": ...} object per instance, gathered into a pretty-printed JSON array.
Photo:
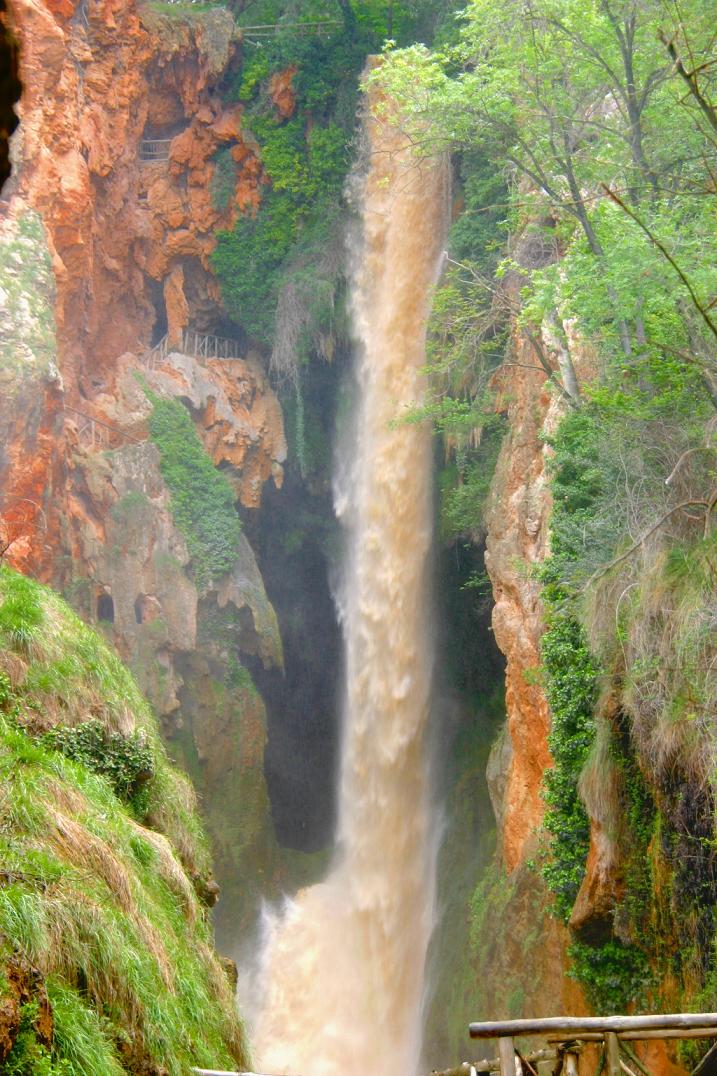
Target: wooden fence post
[
  {"x": 506, "y": 1053},
  {"x": 571, "y": 1064},
  {"x": 613, "y": 1053}
]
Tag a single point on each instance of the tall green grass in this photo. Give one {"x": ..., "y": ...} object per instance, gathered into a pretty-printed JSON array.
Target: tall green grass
[{"x": 100, "y": 902}]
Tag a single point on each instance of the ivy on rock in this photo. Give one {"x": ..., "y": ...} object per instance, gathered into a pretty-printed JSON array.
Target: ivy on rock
[{"x": 202, "y": 500}]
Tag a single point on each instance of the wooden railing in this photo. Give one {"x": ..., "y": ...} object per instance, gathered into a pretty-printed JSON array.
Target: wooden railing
[
  {"x": 568, "y": 1036},
  {"x": 199, "y": 345},
  {"x": 95, "y": 434},
  {"x": 154, "y": 149},
  {"x": 270, "y": 29}
]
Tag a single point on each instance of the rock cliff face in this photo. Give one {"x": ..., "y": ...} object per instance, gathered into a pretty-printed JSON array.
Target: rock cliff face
[
  {"x": 517, "y": 541},
  {"x": 125, "y": 230},
  {"x": 128, "y": 237},
  {"x": 125, "y": 164}
]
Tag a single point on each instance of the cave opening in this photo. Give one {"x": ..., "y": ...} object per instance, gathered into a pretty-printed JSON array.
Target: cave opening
[
  {"x": 155, "y": 292},
  {"x": 105, "y": 609},
  {"x": 295, "y": 537},
  {"x": 302, "y": 704},
  {"x": 160, "y": 131}
]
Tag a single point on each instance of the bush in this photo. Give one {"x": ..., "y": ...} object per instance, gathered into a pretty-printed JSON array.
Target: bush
[
  {"x": 614, "y": 976},
  {"x": 126, "y": 761}
]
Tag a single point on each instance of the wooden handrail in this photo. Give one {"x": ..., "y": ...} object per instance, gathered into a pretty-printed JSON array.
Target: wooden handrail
[
  {"x": 91, "y": 422},
  {"x": 569, "y": 1033},
  {"x": 644, "y": 1036},
  {"x": 467, "y": 1068},
  {"x": 574, "y": 1026},
  {"x": 199, "y": 345}
]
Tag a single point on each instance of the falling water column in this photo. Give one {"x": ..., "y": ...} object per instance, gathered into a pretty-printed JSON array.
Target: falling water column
[{"x": 343, "y": 968}]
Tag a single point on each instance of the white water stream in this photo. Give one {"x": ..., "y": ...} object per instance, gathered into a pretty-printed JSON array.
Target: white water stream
[{"x": 342, "y": 974}]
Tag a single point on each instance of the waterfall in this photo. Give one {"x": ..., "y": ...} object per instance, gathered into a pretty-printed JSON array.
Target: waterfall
[{"x": 343, "y": 967}]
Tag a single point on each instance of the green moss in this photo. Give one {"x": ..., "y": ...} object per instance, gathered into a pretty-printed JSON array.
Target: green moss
[
  {"x": 202, "y": 500},
  {"x": 465, "y": 484},
  {"x": 464, "y": 858},
  {"x": 209, "y": 26},
  {"x": 132, "y": 510},
  {"x": 223, "y": 181}
]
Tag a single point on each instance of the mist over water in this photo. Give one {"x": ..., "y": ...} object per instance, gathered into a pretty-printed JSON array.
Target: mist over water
[{"x": 342, "y": 974}]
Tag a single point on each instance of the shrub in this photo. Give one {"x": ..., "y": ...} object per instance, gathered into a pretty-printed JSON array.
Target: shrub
[
  {"x": 126, "y": 761},
  {"x": 615, "y": 976}
]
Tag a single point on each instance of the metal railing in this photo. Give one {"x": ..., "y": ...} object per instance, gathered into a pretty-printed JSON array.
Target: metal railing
[
  {"x": 199, "y": 345},
  {"x": 154, "y": 149},
  {"x": 93, "y": 433}
]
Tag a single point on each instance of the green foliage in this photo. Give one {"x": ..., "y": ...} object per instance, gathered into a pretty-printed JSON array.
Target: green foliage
[
  {"x": 126, "y": 761},
  {"x": 289, "y": 254},
  {"x": 29, "y": 1057},
  {"x": 223, "y": 181},
  {"x": 306, "y": 160},
  {"x": 465, "y": 485},
  {"x": 570, "y": 96},
  {"x": 203, "y": 502},
  {"x": 570, "y": 678},
  {"x": 614, "y": 976}
]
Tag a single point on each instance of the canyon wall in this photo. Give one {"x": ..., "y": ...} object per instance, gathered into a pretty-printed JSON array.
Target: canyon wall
[{"x": 106, "y": 228}]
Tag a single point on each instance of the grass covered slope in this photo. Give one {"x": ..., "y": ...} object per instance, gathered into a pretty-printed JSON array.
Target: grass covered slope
[{"x": 106, "y": 957}]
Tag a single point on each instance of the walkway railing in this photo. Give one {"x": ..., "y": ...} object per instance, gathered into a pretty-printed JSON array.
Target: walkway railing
[
  {"x": 95, "y": 434},
  {"x": 320, "y": 26},
  {"x": 568, "y": 1036},
  {"x": 199, "y": 345},
  {"x": 154, "y": 149}
]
